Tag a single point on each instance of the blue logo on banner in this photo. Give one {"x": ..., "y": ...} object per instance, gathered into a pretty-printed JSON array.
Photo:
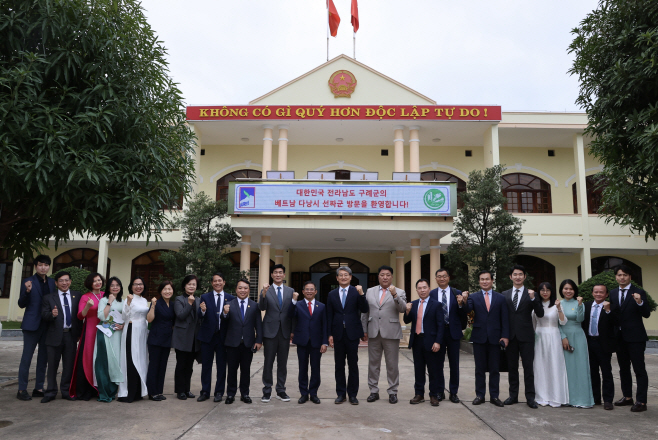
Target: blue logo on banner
[{"x": 247, "y": 197}]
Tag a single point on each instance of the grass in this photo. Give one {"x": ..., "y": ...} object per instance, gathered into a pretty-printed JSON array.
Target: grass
[{"x": 11, "y": 325}]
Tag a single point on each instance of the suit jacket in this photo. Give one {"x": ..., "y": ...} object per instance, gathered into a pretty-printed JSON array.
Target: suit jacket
[
  {"x": 208, "y": 322},
  {"x": 276, "y": 317},
  {"x": 249, "y": 331},
  {"x": 355, "y": 304},
  {"x": 607, "y": 327},
  {"x": 55, "y": 329},
  {"x": 384, "y": 319},
  {"x": 456, "y": 315},
  {"x": 630, "y": 314},
  {"x": 31, "y": 302},
  {"x": 433, "y": 323},
  {"x": 309, "y": 327},
  {"x": 187, "y": 323},
  {"x": 520, "y": 320},
  {"x": 162, "y": 326},
  {"x": 488, "y": 326}
]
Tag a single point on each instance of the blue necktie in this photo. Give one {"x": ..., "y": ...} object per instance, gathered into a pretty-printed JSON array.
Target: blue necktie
[
  {"x": 342, "y": 300},
  {"x": 67, "y": 311},
  {"x": 242, "y": 309},
  {"x": 280, "y": 297},
  {"x": 445, "y": 306},
  {"x": 594, "y": 324}
]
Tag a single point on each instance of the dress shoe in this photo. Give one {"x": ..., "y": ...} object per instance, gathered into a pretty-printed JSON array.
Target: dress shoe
[
  {"x": 441, "y": 396},
  {"x": 624, "y": 402},
  {"x": 22, "y": 395},
  {"x": 315, "y": 400},
  {"x": 202, "y": 397},
  {"x": 181, "y": 396},
  {"x": 37, "y": 393},
  {"x": 393, "y": 398},
  {"x": 245, "y": 399},
  {"x": 152, "y": 397},
  {"x": 229, "y": 400},
  {"x": 434, "y": 401},
  {"x": 339, "y": 399},
  {"x": 533, "y": 404},
  {"x": 454, "y": 398},
  {"x": 417, "y": 399},
  {"x": 47, "y": 399},
  {"x": 266, "y": 397},
  {"x": 638, "y": 407},
  {"x": 354, "y": 401},
  {"x": 511, "y": 401},
  {"x": 155, "y": 398},
  {"x": 303, "y": 399},
  {"x": 283, "y": 396},
  {"x": 70, "y": 398},
  {"x": 608, "y": 406},
  {"x": 218, "y": 398},
  {"x": 162, "y": 397},
  {"x": 372, "y": 397},
  {"x": 496, "y": 401},
  {"x": 478, "y": 400},
  {"x": 190, "y": 395}
]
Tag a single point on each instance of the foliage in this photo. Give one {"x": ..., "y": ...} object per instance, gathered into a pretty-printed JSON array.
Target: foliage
[
  {"x": 616, "y": 56},
  {"x": 78, "y": 277},
  {"x": 607, "y": 277},
  {"x": 205, "y": 239},
  {"x": 93, "y": 138},
  {"x": 467, "y": 333},
  {"x": 485, "y": 235}
]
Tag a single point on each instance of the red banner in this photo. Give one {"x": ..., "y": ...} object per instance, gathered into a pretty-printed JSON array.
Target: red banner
[{"x": 364, "y": 112}]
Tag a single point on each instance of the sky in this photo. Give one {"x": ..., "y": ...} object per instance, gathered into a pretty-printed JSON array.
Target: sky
[{"x": 511, "y": 53}]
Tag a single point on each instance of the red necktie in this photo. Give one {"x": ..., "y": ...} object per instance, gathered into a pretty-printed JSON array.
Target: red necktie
[{"x": 310, "y": 309}]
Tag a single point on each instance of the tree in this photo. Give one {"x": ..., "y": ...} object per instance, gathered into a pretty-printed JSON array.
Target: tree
[
  {"x": 78, "y": 277},
  {"x": 607, "y": 278},
  {"x": 93, "y": 138},
  {"x": 205, "y": 239},
  {"x": 485, "y": 235},
  {"x": 616, "y": 56}
]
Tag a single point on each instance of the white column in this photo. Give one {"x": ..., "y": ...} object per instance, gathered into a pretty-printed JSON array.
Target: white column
[
  {"x": 15, "y": 289},
  {"x": 414, "y": 149},
  {"x": 398, "y": 142},
  {"x": 245, "y": 252},
  {"x": 399, "y": 274},
  {"x": 278, "y": 254},
  {"x": 491, "y": 147},
  {"x": 264, "y": 264},
  {"x": 415, "y": 266},
  {"x": 581, "y": 188},
  {"x": 267, "y": 149},
  {"x": 435, "y": 260},
  {"x": 103, "y": 252},
  {"x": 283, "y": 148}
]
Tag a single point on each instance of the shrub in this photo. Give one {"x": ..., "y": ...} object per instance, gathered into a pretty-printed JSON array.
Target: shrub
[
  {"x": 78, "y": 277},
  {"x": 608, "y": 279}
]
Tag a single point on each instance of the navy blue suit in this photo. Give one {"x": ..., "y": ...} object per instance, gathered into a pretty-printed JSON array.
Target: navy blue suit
[
  {"x": 34, "y": 331},
  {"x": 421, "y": 344},
  {"x": 452, "y": 336},
  {"x": 344, "y": 325},
  {"x": 489, "y": 326},
  {"x": 310, "y": 334},
  {"x": 212, "y": 338},
  {"x": 159, "y": 343}
]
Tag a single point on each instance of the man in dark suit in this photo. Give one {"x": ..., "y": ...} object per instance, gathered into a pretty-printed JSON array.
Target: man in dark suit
[
  {"x": 33, "y": 289},
  {"x": 60, "y": 310},
  {"x": 490, "y": 331},
  {"x": 275, "y": 301},
  {"x": 427, "y": 327},
  {"x": 630, "y": 305},
  {"x": 212, "y": 335},
  {"x": 309, "y": 319},
  {"x": 599, "y": 327},
  {"x": 344, "y": 307},
  {"x": 520, "y": 304},
  {"x": 244, "y": 337},
  {"x": 454, "y": 321}
]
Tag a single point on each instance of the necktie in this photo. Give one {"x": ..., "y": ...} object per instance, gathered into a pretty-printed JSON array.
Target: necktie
[
  {"x": 381, "y": 300},
  {"x": 486, "y": 300},
  {"x": 594, "y": 324},
  {"x": 344, "y": 297},
  {"x": 67, "y": 310},
  {"x": 279, "y": 296},
  {"x": 445, "y": 306},
  {"x": 218, "y": 307},
  {"x": 419, "y": 318},
  {"x": 310, "y": 309},
  {"x": 516, "y": 299},
  {"x": 623, "y": 296},
  {"x": 242, "y": 309}
]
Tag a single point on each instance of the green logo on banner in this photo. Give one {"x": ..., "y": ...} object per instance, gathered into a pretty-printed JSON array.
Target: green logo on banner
[{"x": 434, "y": 199}]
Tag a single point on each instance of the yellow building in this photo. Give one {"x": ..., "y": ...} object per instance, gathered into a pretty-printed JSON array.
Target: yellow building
[{"x": 354, "y": 119}]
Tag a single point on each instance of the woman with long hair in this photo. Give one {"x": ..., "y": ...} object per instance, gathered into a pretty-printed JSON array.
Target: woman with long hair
[
  {"x": 107, "y": 353},
  {"x": 134, "y": 354}
]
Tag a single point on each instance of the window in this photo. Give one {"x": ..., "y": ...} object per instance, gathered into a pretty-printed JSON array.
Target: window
[
  {"x": 151, "y": 268},
  {"x": 342, "y": 174},
  {"x": 330, "y": 265},
  {"x": 6, "y": 269},
  {"x": 595, "y": 185},
  {"x": 254, "y": 269},
  {"x": 526, "y": 193},
  {"x": 439, "y": 176},
  {"x": 83, "y": 258},
  {"x": 222, "y": 184},
  {"x": 601, "y": 264},
  {"x": 539, "y": 270}
]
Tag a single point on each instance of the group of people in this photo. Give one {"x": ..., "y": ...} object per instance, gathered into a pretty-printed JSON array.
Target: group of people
[{"x": 108, "y": 350}]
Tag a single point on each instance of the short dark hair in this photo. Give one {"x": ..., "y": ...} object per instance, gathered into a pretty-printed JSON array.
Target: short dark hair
[
  {"x": 61, "y": 273},
  {"x": 385, "y": 267},
  {"x": 278, "y": 266},
  {"x": 189, "y": 278},
  {"x": 482, "y": 272},
  {"x": 107, "y": 290},
  {"x": 573, "y": 285},
  {"x": 422, "y": 280},
  {"x": 89, "y": 281},
  {"x": 164, "y": 284},
  {"x": 130, "y": 286},
  {"x": 309, "y": 282},
  {"x": 45, "y": 259},
  {"x": 600, "y": 284},
  {"x": 553, "y": 297},
  {"x": 624, "y": 268},
  {"x": 217, "y": 274},
  {"x": 518, "y": 267},
  {"x": 441, "y": 269},
  {"x": 244, "y": 280}
]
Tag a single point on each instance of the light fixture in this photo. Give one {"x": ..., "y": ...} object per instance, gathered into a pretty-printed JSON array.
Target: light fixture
[
  {"x": 339, "y": 239},
  {"x": 245, "y": 139},
  {"x": 436, "y": 140},
  {"x": 339, "y": 139}
]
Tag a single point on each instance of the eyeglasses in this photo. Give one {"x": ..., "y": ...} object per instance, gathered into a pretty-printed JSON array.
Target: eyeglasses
[{"x": 138, "y": 285}]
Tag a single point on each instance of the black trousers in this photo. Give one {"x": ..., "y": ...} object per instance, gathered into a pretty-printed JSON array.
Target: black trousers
[
  {"x": 66, "y": 353},
  {"x": 184, "y": 369},
  {"x": 425, "y": 360},
  {"x": 527, "y": 352},
  {"x": 155, "y": 377},
  {"x": 306, "y": 354},
  {"x": 32, "y": 339},
  {"x": 213, "y": 351},
  {"x": 277, "y": 347},
  {"x": 633, "y": 353},
  {"x": 451, "y": 347},
  {"x": 487, "y": 356},
  {"x": 347, "y": 349},
  {"x": 600, "y": 359},
  {"x": 238, "y": 357}
]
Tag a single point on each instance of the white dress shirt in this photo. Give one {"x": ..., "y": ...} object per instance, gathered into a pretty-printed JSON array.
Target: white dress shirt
[
  {"x": 596, "y": 311},
  {"x": 312, "y": 304},
  {"x": 61, "y": 300},
  {"x": 424, "y": 303},
  {"x": 440, "y": 298}
]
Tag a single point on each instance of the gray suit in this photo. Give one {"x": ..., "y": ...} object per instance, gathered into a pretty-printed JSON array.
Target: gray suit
[
  {"x": 382, "y": 323},
  {"x": 186, "y": 326},
  {"x": 276, "y": 336}
]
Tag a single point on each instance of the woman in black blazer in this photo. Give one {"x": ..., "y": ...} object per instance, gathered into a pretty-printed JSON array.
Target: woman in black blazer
[
  {"x": 184, "y": 339},
  {"x": 161, "y": 316}
]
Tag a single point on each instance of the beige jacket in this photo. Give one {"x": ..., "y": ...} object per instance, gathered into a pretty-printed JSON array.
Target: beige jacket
[{"x": 384, "y": 319}]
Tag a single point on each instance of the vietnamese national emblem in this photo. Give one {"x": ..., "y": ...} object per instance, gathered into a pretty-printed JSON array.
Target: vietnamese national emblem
[{"x": 342, "y": 84}]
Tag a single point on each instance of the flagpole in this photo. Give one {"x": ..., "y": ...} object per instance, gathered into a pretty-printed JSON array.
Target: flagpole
[
  {"x": 327, "y": 18},
  {"x": 354, "y": 42}
]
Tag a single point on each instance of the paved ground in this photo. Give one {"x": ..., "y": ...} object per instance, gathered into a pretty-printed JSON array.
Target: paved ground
[{"x": 176, "y": 419}]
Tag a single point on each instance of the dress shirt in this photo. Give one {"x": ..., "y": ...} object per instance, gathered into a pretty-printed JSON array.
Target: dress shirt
[
  {"x": 312, "y": 303},
  {"x": 382, "y": 291},
  {"x": 596, "y": 311},
  {"x": 627, "y": 288},
  {"x": 440, "y": 298},
  {"x": 422, "y": 318},
  {"x": 518, "y": 300},
  {"x": 61, "y": 300}
]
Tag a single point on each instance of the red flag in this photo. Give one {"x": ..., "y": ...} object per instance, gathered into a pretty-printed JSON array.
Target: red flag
[
  {"x": 355, "y": 16},
  {"x": 334, "y": 19}
]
